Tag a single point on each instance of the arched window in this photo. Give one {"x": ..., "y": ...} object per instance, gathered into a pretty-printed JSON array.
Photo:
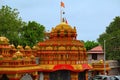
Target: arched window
[
  {"x": 66, "y": 34},
  {"x": 58, "y": 33},
  {"x": 27, "y": 77},
  {"x": 61, "y": 56}
]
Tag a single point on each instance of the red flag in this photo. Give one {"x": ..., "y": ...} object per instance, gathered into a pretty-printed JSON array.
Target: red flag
[{"x": 62, "y": 4}]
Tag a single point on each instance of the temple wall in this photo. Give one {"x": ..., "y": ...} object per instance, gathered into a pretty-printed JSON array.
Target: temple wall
[
  {"x": 99, "y": 57},
  {"x": 115, "y": 67}
]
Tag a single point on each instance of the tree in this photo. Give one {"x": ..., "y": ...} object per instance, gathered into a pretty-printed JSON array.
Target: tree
[
  {"x": 112, "y": 37},
  {"x": 32, "y": 33},
  {"x": 90, "y": 44},
  {"x": 10, "y": 24}
]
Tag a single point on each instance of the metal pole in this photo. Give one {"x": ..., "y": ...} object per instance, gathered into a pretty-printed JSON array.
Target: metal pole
[
  {"x": 61, "y": 14},
  {"x": 104, "y": 57}
]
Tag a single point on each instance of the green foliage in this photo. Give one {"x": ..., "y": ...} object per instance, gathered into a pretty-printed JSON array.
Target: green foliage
[
  {"x": 32, "y": 33},
  {"x": 17, "y": 31},
  {"x": 114, "y": 26},
  {"x": 112, "y": 37},
  {"x": 10, "y": 24},
  {"x": 90, "y": 44}
]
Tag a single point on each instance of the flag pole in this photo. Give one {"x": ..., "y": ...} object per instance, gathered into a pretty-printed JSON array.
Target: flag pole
[{"x": 60, "y": 12}]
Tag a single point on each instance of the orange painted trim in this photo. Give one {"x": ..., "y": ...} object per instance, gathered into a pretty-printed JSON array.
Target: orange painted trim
[{"x": 21, "y": 71}]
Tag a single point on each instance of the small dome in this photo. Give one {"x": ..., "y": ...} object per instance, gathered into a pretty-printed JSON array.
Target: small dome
[
  {"x": 64, "y": 26},
  {"x": 19, "y": 47},
  {"x": 61, "y": 48},
  {"x": 12, "y": 46},
  {"x": 4, "y": 40},
  {"x": 49, "y": 48},
  {"x": 32, "y": 56},
  {"x": 18, "y": 53},
  {"x": 14, "y": 56},
  {"x": 35, "y": 48},
  {"x": 74, "y": 48},
  {"x": 27, "y": 48}
]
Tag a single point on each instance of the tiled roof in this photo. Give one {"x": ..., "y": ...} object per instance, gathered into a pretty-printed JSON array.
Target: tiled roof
[{"x": 97, "y": 49}]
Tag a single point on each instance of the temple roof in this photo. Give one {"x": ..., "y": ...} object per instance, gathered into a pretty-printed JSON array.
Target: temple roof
[
  {"x": 63, "y": 30},
  {"x": 64, "y": 26},
  {"x": 97, "y": 49}
]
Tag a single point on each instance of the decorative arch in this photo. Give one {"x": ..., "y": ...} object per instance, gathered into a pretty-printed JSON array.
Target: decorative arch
[
  {"x": 4, "y": 77},
  {"x": 26, "y": 77},
  {"x": 63, "y": 67}
]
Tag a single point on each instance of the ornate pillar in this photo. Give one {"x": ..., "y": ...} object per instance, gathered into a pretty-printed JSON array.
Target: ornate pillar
[
  {"x": 86, "y": 75},
  {"x": 17, "y": 77},
  {"x": 36, "y": 75}
]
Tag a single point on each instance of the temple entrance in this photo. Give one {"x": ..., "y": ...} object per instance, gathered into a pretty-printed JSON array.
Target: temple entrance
[
  {"x": 60, "y": 75},
  {"x": 26, "y": 77},
  {"x": 41, "y": 76},
  {"x": 4, "y": 77},
  {"x": 81, "y": 76}
]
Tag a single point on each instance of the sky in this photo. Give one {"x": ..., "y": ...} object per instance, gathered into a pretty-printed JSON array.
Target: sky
[{"x": 90, "y": 17}]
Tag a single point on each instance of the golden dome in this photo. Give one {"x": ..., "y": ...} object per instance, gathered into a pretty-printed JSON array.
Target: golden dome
[
  {"x": 35, "y": 48},
  {"x": 61, "y": 48},
  {"x": 18, "y": 53},
  {"x": 64, "y": 26},
  {"x": 63, "y": 30},
  {"x": 27, "y": 48},
  {"x": 4, "y": 40},
  {"x": 74, "y": 48},
  {"x": 19, "y": 47},
  {"x": 14, "y": 56},
  {"x": 32, "y": 56},
  {"x": 12, "y": 46},
  {"x": 49, "y": 48}
]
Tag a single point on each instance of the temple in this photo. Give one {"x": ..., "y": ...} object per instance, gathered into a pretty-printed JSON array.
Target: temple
[{"x": 59, "y": 57}]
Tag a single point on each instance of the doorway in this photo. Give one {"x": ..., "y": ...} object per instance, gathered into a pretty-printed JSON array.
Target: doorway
[
  {"x": 81, "y": 76},
  {"x": 60, "y": 75}
]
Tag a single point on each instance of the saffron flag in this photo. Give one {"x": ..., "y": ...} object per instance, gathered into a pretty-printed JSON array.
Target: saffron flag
[{"x": 62, "y": 4}]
